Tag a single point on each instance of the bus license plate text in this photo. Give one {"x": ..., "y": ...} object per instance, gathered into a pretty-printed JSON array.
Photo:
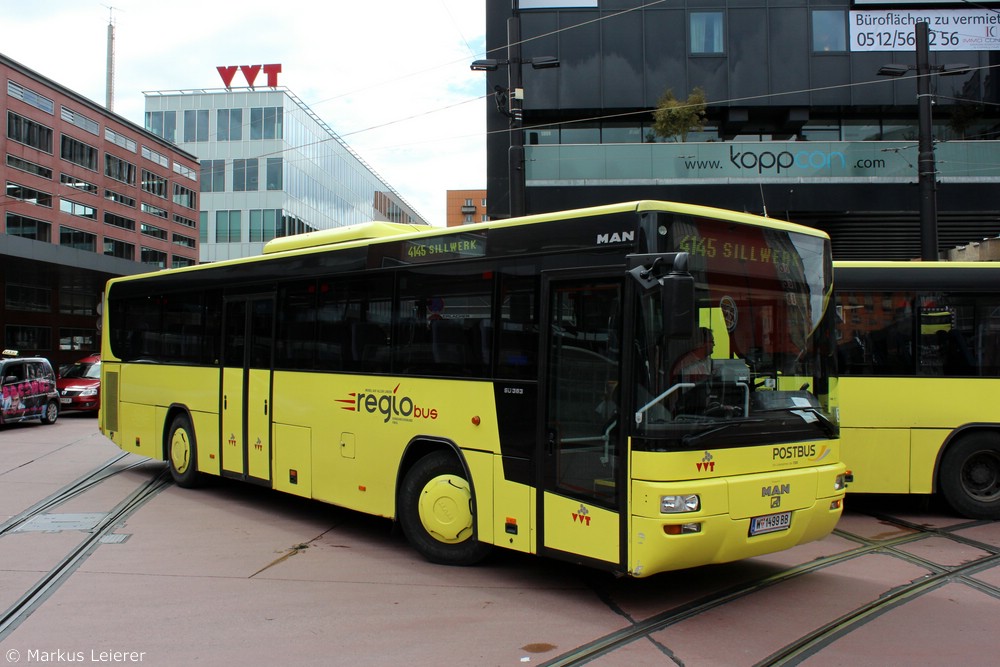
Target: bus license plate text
[{"x": 770, "y": 523}]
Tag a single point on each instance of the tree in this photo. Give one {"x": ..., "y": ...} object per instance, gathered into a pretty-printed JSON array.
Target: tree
[{"x": 674, "y": 117}]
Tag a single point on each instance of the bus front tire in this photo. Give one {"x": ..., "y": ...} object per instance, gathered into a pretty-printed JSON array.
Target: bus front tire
[
  {"x": 970, "y": 476},
  {"x": 436, "y": 511},
  {"x": 182, "y": 453}
]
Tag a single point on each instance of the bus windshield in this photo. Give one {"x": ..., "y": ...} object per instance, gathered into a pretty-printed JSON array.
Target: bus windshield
[{"x": 753, "y": 369}]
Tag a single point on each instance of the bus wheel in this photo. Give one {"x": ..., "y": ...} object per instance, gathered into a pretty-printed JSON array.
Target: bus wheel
[
  {"x": 182, "y": 453},
  {"x": 970, "y": 476},
  {"x": 51, "y": 412},
  {"x": 435, "y": 511}
]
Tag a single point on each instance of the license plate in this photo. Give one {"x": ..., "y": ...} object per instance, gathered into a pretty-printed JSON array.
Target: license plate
[
  {"x": 770, "y": 523},
  {"x": 65, "y": 401}
]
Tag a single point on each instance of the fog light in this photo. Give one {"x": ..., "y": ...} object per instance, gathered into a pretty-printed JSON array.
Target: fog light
[
  {"x": 682, "y": 528},
  {"x": 679, "y": 504},
  {"x": 835, "y": 505}
]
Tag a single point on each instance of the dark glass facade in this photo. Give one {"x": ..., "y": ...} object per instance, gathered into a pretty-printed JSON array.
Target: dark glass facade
[{"x": 799, "y": 124}]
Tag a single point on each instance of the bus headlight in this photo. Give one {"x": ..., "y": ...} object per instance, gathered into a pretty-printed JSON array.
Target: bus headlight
[
  {"x": 840, "y": 483},
  {"x": 679, "y": 504}
]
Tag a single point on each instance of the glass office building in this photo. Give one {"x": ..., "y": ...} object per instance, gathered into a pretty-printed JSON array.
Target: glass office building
[{"x": 270, "y": 167}]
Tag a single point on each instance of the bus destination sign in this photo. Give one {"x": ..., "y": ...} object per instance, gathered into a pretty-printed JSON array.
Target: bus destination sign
[{"x": 463, "y": 245}]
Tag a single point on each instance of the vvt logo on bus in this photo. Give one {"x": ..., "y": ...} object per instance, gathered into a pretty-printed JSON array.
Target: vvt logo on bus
[{"x": 390, "y": 404}]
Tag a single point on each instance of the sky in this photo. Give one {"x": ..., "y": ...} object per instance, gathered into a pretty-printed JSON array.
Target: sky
[{"x": 391, "y": 77}]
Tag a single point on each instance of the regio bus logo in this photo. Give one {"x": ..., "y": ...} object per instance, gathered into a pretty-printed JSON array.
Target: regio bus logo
[{"x": 387, "y": 403}]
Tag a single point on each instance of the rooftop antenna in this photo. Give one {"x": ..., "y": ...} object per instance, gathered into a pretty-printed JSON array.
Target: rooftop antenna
[
  {"x": 110, "y": 83},
  {"x": 762, "y": 202}
]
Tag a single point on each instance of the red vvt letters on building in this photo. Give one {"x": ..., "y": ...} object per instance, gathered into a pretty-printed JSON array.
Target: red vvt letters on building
[{"x": 250, "y": 72}]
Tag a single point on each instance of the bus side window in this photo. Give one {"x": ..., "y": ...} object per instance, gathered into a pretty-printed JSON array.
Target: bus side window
[{"x": 517, "y": 332}]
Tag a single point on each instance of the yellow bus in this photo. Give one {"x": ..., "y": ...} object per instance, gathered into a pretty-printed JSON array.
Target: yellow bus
[
  {"x": 919, "y": 356},
  {"x": 505, "y": 384}
]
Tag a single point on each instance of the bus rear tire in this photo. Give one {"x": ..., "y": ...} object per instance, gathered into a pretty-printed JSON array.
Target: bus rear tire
[
  {"x": 182, "y": 453},
  {"x": 970, "y": 476},
  {"x": 436, "y": 511}
]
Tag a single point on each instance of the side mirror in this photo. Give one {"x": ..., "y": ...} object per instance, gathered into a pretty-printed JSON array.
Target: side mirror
[{"x": 678, "y": 304}]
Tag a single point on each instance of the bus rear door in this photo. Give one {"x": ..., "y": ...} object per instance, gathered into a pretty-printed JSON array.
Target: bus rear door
[
  {"x": 246, "y": 387},
  {"x": 581, "y": 466}
]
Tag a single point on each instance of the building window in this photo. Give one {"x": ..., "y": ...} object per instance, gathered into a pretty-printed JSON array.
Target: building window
[
  {"x": 229, "y": 124},
  {"x": 263, "y": 225},
  {"x": 81, "y": 121},
  {"x": 186, "y": 172},
  {"x": 187, "y": 222},
  {"x": 185, "y": 241},
  {"x": 77, "y": 209},
  {"x": 28, "y": 167},
  {"x": 77, "y": 339},
  {"x": 120, "y": 140},
  {"x": 156, "y": 258},
  {"x": 27, "y": 338},
  {"x": 154, "y": 210},
  {"x": 28, "y": 96},
  {"x": 30, "y": 195},
  {"x": 119, "y": 198},
  {"x": 274, "y": 180},
  {"x": 28, "y": 298},
  {"x": 155, "y": 232},
  {"x": 78, "y": 302},
  {"x": 706, "y": 32},
  {"x": 119, "y": 169},
  {"x": 185, "y": 197},
  {"x": 153, "y": 156},
  {"x": 74, "y": 238},
  {"x": 116, "y": 248},
  {"x": 178, "y": 262},
  {"x": 154, "y": 184},
  {"x": 163, "y": 124},
  {"x": 266, "y": 123},
  {"x": 245, "y": 176},
  {"x": 213, "y": 176},
  {"x": 829, "y": 31},
  {"x": 203, "y": 226},
  {"x": 227, "y": 226},
  {"x": 196, "y": 125},
  {"x": 78, "y": 152},
  {"x": 29, "y": 228},
  {"x": 78, "y": 184},
  {"x": 119, "y": 221},
  {"x": 28, "y": 132}
]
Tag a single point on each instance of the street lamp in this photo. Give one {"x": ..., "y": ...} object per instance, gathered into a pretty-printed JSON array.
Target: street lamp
[
  {"x": 926, "y": 169},
  {"x": 509, "y": 104}
]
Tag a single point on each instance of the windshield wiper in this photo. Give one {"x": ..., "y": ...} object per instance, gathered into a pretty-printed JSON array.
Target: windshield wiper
[
  {"x": 815, "y": 416},
  {"x": 695, "y": 438}
]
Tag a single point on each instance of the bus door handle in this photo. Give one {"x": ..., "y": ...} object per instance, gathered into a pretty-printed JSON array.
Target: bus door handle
[
  {"x": 550, "y": 441},
  {"x": 225, "y": 402},
  {"x": 265, "y": 406}
]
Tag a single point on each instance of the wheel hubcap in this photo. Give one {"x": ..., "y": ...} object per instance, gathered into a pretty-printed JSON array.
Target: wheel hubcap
[
  {"x": 180, "y": 451},
  {"x": 445, "y": 509},
  {"x": 981, "y": 476}
]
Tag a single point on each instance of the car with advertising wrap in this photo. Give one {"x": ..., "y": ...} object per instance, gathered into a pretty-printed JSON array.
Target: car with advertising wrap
[
  {"x": 28, "y": 386},
  {"x": 79, "y": 385}
]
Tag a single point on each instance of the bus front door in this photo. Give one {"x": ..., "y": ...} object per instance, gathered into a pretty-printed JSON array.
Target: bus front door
[
  {"x": 246, "y": 388},
  {"x": 580, "y": 458}
]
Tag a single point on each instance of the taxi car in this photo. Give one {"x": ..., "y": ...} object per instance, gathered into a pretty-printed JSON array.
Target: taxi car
[
  {"x": 27, "y": 389},
  {"x": 79, "y": 385}
]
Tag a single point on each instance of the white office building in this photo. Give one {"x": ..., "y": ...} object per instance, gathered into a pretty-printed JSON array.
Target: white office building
[{"x": 270, "y": 167}]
